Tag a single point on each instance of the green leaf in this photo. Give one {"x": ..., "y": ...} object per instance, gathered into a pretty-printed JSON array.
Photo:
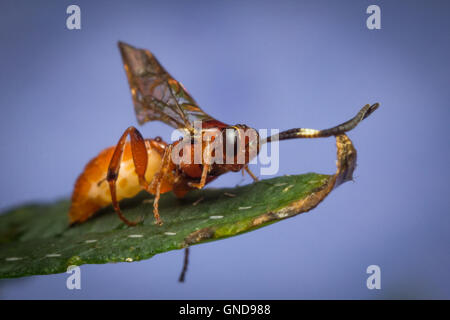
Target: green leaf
[{"x": 36, "y": 239}]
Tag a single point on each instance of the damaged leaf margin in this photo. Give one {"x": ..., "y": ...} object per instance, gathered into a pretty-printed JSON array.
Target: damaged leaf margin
[{"x": 346, "y": 164}]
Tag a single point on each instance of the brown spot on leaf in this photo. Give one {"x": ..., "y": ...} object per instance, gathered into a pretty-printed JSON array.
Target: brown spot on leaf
[{"x": 199, "y": 235}]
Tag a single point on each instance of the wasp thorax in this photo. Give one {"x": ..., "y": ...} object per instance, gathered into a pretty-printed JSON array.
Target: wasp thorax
[{"x": 233, "y": 145}]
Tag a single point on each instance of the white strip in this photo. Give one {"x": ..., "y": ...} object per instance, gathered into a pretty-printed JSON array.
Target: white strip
[
  {"x": 244, "y": 208},
  {"x": 287, "y": 188},
  {"x": 135, "y": 236},
  {"x": 280, "y": 184},
  {"x": 90, "y": 241},
  {"x": 216, "y": 217},
  {"x": 231, "y": 195},
  {"x": 170, "y": 233},
  {"x": 13, "y": 259},
  {"x": 53, "y": 255}
]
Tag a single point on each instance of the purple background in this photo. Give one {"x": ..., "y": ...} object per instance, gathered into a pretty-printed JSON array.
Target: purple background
[{"x": 64, "y": 96}]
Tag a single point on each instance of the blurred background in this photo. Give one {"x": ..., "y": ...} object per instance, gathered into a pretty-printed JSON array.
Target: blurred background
[{"x": 269, "y": 64}]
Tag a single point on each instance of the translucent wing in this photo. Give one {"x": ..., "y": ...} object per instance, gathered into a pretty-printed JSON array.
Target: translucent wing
[{"x": 156, "y": 95}]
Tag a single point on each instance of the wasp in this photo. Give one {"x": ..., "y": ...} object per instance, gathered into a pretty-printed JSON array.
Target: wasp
[{"x": 123, "y": 170}]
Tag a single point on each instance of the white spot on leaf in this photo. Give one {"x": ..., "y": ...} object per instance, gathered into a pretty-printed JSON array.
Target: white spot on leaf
[
  {"x": 216, "y": 217},
  {"x": 280, "y": 184},
  {"x": 228, "y": 194},
  {"x": 13, "y": 259},
  {"x": 198, "y": 201},
  {"x": 287, "y": 188},
  {"x": 282, "y": 215}
]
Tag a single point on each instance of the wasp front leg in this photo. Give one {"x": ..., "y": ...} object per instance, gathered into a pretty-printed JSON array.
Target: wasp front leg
[
  {"x": 206, "y": 166},
  {"x": 251, "y": 174},
  {"x": 155, "y": 186}
]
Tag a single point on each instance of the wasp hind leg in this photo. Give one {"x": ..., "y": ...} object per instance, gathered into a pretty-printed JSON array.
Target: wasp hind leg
[
  {"x": 140, "y": 157},
  {"x": 185, "y": 265}
]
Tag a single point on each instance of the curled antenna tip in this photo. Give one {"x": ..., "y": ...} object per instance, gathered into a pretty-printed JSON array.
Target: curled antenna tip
[{"x": 371, "y": 109}]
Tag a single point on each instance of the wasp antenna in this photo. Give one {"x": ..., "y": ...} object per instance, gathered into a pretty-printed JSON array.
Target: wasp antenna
[
  {"x": 371, "y": 109},
  {"x": 298, "y": 133}
]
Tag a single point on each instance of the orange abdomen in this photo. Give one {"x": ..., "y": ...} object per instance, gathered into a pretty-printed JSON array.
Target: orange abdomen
[{"x": 91, "y": 191}]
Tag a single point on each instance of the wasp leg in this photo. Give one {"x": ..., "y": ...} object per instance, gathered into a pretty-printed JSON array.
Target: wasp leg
[
  {"x": 157, "y": 182},
  {"x": 139, "y": 152},
  {"x": 185, "y": 265},
  {"x": 205, "y": 170},
  {"x": 202, "y": 182},
  {"x": 246, "y": 168}
]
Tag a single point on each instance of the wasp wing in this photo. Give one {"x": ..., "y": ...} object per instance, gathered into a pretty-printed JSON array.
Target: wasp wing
[{"x": 156, "y": 95}]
